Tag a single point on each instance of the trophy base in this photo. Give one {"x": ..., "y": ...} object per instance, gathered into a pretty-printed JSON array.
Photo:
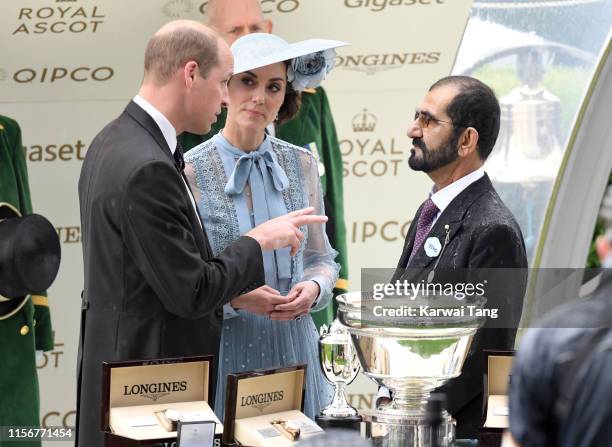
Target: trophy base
[
  {"x": 348, "y": 422},
  {"x": 409, "y": 431}
]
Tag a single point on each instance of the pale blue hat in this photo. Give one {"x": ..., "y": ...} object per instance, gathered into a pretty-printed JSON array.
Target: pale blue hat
[{"x": 311, "y": 59}]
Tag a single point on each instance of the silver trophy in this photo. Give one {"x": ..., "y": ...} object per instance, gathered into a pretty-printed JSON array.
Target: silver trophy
[
  {"x": 411, "y": 356},
  {"x": 340, "y": 366}
]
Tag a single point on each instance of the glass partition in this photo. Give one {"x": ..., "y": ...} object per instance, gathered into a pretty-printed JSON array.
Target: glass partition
[{"x": 539, "y": 57}]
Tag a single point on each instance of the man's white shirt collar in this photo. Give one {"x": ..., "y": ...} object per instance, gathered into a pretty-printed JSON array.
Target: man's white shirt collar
[
  {"x": 169, "y": 134},
  {"x": 162, "y": 122},
  {"x": 446, "y": 195}
]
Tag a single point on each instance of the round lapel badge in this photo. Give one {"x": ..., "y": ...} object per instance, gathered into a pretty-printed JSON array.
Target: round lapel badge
[{"x": 432, "y": 247}]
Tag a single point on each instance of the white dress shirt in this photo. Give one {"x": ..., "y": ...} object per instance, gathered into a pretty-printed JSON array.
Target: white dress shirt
[
  {"x": 447, "y": 194},
  {"x": 169, "y": 133}
]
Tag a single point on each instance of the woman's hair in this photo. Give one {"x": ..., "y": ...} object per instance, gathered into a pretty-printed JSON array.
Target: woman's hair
[{"x": 291, "y": 103}]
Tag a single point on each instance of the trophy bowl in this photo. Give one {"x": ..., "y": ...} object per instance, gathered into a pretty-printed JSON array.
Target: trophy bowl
[{"x": 411, "y": 346}]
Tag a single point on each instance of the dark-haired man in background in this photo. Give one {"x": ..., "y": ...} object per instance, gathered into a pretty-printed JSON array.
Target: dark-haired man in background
[{"x": 453, "y": 133}]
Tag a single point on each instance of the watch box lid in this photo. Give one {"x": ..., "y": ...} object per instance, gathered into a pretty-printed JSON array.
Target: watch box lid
[
  {"x": 144, "y": 382},
  {"x": 499, "y": 368},
  {"x": 498, "y": 376},
  {"x": 262, "y": 391}
]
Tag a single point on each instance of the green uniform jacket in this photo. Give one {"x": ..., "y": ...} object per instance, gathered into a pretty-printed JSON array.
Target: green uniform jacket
[
  {"x": 313, "y": 128},
  {"x": 29, "y": 330}
]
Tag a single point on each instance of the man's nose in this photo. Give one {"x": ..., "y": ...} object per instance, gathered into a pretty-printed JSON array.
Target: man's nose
[
  {"x": 414, "y": 130},
  {"x": 224, "y": 96}
]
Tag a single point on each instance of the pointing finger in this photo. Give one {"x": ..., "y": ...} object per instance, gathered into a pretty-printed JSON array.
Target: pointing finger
[
  {"x": 306, "y": 220},
  {"x": 302, "y": 212}
]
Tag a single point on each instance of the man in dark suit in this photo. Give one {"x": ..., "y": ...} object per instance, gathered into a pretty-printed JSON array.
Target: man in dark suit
[
  {"x": 464, "y": 227},
  {"x": 152, "y": 286}
]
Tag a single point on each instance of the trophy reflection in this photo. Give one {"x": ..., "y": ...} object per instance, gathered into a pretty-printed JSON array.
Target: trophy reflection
[{"x": 340, "y": 366}]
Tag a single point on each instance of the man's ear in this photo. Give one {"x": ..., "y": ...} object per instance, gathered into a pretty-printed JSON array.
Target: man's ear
[
  {"x": 267, "y": 26},
  {"x": 190, "y": 71},
  {"x": 468, "y": 142}
]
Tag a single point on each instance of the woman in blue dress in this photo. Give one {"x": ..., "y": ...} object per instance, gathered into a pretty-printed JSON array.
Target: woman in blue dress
[{"x": 242, "y": 177}]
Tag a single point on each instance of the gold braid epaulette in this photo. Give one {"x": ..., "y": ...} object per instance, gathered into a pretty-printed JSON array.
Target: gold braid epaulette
[
  {"x": 342, "y": 283},
  {"x": 40, "y": 300}
]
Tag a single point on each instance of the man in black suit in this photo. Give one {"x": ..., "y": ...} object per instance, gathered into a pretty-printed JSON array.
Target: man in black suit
[
  {"x": 152, "y": 287},
  {"x": 464, "y": 227}
]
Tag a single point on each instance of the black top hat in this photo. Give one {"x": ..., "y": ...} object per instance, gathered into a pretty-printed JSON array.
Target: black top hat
[{"x": 29, "y": 253}]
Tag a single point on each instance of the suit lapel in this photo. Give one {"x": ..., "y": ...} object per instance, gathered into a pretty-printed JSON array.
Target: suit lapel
[
  {"x": 439, "y": 231},
  {"x": 149, "y": 124}
]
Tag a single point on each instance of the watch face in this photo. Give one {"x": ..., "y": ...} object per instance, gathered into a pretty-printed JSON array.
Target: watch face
[
  {"x": 196, "y": 434},
  {"x": 293, "y": 425}
]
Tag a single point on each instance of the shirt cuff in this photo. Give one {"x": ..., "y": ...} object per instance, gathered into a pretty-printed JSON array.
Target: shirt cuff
[{"x": 229, "y": 312}]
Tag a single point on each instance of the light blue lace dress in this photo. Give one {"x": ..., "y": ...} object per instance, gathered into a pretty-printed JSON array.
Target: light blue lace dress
[{"x": 236, "y": 191}]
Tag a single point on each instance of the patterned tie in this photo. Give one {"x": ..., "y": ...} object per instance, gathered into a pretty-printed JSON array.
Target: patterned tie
[
  {"x": 179, "y": 161},
  {"x": 426, "y": 218}
]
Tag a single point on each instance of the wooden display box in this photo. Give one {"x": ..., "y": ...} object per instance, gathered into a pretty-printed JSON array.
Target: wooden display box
[
  {"x": 135, "y": 393},
  {"x": 254, "y": 399},
  {"x": 497, "y": 380}
]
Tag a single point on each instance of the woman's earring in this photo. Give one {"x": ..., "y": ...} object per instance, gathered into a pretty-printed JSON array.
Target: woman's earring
[{"x": 276, "y": 119}]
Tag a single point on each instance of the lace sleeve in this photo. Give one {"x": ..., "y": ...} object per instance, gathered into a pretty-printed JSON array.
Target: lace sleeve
[
  {"x": 318, "y": 257},
  {"x": 193, "y": 183}
]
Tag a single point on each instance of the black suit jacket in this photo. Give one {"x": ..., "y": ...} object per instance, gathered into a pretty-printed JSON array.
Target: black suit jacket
[
  {"x": 152, "y": 286},
  {"x": 483, "y": 234}
]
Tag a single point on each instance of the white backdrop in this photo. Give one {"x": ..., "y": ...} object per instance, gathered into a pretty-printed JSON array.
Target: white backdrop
[{"x": 69, "y": 66}]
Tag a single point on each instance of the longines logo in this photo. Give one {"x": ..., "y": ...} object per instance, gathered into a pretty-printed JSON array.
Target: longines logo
[
  {"x": 373, "y": 63},
  {"x": 55, "y": 74},
  {"x": 261, "y": 401},
  {"x": 268, "y": 6},
  {"x": 364, "y": 122},
  {"x": 69, "y": 235},
  {"x": 154, "y": 391},
  {"x": 66, "y": 17},
  {"x": 177, "y": 8},
  {"x": 381, "y": 5}
]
